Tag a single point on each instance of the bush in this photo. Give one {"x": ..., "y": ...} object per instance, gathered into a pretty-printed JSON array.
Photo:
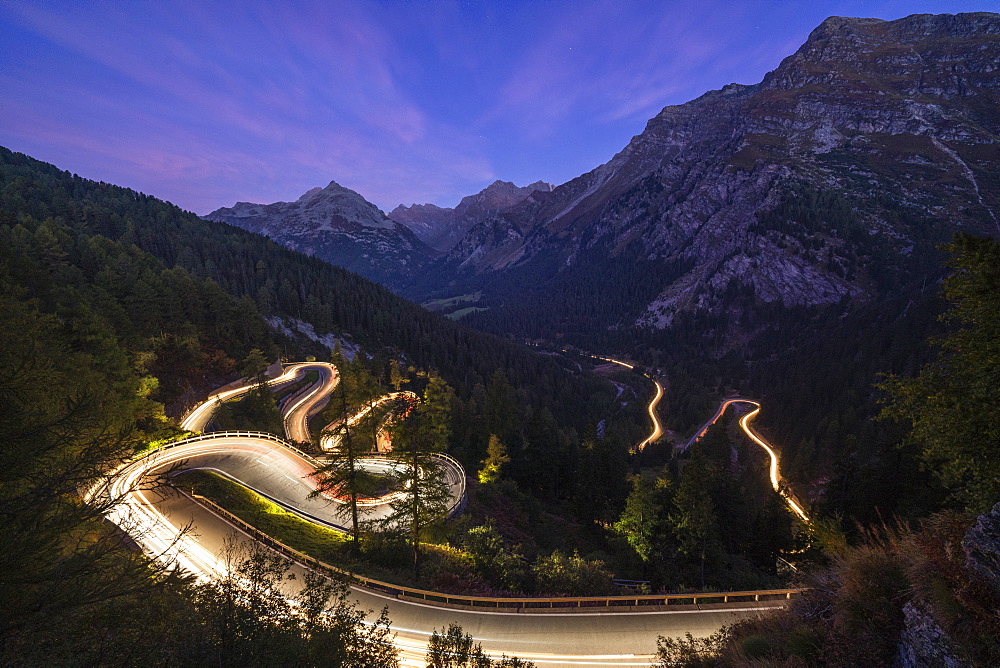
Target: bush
[{"x": 572, "y": 576}]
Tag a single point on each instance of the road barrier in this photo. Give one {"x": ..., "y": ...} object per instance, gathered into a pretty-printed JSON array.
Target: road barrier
[
  {"x": 458, "y": 506},
  {"x": 766, "y": 598}
]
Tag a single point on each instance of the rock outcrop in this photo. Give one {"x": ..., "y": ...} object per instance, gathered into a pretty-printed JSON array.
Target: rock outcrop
[
  {"x": 924, "y": 644},
  {"x": 982, "y": 550}
]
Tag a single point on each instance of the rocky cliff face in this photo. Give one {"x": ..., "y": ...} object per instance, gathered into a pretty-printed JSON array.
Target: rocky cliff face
[
  {"x": 442, "y": 228},
  {"x": 338, "y": 225},
  {"x": 982, "y": 550},
  {"x": 924, "y": 641},
  {"x": 828, "y": 180}
]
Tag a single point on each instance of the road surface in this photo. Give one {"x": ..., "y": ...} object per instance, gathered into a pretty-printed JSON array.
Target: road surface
[
  {"x": 601, "y": 637},
  {"x": 310, "y": 401},
  {"x": 202, "y": 414}
]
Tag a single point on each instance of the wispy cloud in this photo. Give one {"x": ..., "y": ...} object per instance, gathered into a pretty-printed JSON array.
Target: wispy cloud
[
  {"x": 205, "y": 102},
  {"x": 312, "y": 93},
  {"x": 611, "y": 61}
]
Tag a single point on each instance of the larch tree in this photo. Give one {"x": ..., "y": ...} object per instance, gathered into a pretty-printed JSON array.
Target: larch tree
[
  {"x": 641, "y": 520},
  {"x": 694, "y": 520},
  {"x": 496, "y": 459},
  {"x": 341, "y": 474}
]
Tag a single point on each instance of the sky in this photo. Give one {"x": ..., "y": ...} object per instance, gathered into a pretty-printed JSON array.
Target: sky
[{"x": 206, "y": 103}]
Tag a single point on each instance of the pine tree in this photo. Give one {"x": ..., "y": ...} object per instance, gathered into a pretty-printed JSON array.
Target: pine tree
[
  {"x": 694, "y": 519},
  {"x": 342, "y": 474},
  {"x": 424, "y": 433},
  {"x": 640, "y": 522},
  {"x": 950, "y": 406}
]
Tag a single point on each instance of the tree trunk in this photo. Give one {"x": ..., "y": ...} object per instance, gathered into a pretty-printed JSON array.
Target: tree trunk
[
  {"x": 414, "y": 471},
  {"x": 352, "y": 481},
  {"x": 703, "y": 541}
]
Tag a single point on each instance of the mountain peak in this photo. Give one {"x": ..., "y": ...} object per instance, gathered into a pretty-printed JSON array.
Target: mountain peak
[
  {"x": 338, "y": 225},
  {"x": 309, "y": 194},
  {"x": 889, "y": 128},
  {"x": 442, "y": 228}
]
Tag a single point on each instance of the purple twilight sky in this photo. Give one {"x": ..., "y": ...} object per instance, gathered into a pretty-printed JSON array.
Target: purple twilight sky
[{"x": 206, "y": 103}]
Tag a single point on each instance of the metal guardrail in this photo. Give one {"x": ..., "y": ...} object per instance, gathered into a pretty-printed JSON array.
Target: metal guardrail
[
  {"x": 503, "y": 604},
  {"x": 453, "y": 509},
  {"x": 500, "y": 604},
  {"x": 459, "y": 505}
]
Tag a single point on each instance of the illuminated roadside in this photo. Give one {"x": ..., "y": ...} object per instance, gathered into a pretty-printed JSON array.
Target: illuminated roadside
[{"x": 550, "y": 638}]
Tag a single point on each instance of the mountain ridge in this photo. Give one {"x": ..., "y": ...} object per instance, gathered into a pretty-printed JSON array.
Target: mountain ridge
[
  {"x": 831, "y": 179},
  {"x": 442, "y": 228},
  {"x": 893, "y": 124},
  {"x": 338, "y": 225}
]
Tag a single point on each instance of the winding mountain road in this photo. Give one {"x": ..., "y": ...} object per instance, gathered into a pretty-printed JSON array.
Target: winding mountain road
[
  {"x": 773, "y": 472},
  {"x": 296, "y": 416},
  {"x": 651, "y": 408},
  {"x": 304, "y": 406},
  {"x": 616, "y": 633}
]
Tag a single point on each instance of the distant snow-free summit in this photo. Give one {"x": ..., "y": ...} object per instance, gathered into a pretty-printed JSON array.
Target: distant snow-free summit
[
  {"x": 442, "y": 228},
  {"x": 338, "y": 225}
]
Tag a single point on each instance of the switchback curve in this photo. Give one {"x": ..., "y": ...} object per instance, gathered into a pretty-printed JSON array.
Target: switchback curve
[{"x": 621, "y": 631}]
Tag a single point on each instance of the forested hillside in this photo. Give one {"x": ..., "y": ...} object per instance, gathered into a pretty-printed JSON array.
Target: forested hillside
[
  {"x": 920, "y": 586},
  {"x": 150, "y": 269},
  {"x": 115, "y": 304},
  {"x": 179, "y": 302}
]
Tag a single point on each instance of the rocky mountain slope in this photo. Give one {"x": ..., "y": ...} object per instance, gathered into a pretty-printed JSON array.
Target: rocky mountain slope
[
  {"x": 442, "y": 228},
  {"x": 338, "y": 225},
  {"x": 832, "y": 179}
]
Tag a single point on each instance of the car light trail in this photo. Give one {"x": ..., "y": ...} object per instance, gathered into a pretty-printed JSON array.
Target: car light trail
[
  {"x": 330, "y": 441},
  {"x": 657, "y": 428},
  {"x": 651, "y": 408},
  {"x": 775, "y": 477},
  {"x": 199, "y": 417},
  {"x": 144, "y": 515},
  {"x": 297, "y": 415},
  {"x": 745, "y": 421}
]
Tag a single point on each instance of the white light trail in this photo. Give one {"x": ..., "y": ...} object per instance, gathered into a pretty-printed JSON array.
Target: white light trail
[
  {"x": 651, "y": 409},
  {"x": 773, "y": 473},
  {"x": 331, "y": 441},
  {"x": 139, "y": 514}
]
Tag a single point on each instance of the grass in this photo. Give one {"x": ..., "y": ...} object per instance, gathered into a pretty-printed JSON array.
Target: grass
[
  {"x": 460, "y": 313},
  {"x": 445, "y": 568},
  {"x": 438, "y": 305},
  {"x": 853, "y": 613},
  {"x": 312, "y": 539},
  {"x": 167, "y": 435}
]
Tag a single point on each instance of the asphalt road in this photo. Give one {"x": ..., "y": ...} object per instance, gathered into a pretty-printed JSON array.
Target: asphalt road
[
  {"x": 172, "y": 526},
  {"x": 549, "y": 639},
  {"x": 202, "y": 414}
]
